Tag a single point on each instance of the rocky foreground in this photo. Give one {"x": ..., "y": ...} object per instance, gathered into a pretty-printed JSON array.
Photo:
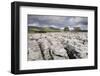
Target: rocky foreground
[{"x": 57, "y": 46}]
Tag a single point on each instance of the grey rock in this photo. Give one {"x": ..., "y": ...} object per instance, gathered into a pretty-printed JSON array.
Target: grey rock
[
  {"x": 34, "y": 52},
  {"x": 44, "y": 47},
  {"x": 57, "y": 46}
]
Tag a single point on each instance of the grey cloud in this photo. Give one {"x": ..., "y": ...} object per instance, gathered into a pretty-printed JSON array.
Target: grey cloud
[{"x": 59, "y": 21}]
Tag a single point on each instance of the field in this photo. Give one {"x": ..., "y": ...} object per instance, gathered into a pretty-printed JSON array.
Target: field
[{"x": 57, "y": 45}]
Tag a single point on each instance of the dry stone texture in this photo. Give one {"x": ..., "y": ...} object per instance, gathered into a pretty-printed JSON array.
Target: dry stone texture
[{"x": 57, "y": 46}]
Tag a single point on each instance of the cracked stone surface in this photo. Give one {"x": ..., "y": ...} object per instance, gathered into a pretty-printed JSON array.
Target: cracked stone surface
[{"x": 57, "y": 46}]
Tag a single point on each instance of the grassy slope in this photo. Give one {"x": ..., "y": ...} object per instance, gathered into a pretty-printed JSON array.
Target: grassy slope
[{"x": 41, "y": 29}]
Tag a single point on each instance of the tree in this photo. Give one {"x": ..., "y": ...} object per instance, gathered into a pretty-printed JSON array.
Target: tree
[
  {"x": 66, "y": 29},
  {"x": 77, "y": 29}
]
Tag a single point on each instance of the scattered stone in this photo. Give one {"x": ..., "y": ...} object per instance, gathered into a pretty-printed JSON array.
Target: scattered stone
[{"x": 57, "y": 46}]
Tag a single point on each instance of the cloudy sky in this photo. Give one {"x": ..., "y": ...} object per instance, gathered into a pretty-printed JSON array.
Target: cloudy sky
[{"x": 58, "y": 21}]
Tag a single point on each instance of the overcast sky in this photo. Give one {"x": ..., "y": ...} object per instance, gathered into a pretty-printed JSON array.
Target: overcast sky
[{"x": 58, "y": 21}]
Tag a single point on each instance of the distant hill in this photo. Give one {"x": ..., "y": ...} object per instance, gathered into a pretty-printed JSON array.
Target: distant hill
[
  {"x": 42, "y": 29},
  {"x": 38, "y": 29}
]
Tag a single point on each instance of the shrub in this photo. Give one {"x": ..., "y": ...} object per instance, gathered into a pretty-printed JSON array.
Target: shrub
[{"x": 66, "y": 29}]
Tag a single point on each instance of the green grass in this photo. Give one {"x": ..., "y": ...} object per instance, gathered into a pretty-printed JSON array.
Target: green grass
[{"x": 43, "y": 30}]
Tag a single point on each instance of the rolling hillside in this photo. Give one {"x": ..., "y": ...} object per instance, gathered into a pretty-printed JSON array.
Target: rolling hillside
[{"x": 42, "y": 29}]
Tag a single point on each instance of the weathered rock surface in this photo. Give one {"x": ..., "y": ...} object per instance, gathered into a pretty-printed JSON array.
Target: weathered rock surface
[
  {"x": 34, "y": 52},
  {"x": 57, "y": 46}
]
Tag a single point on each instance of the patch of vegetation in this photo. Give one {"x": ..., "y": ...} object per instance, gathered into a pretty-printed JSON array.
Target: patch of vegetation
[
  {"x": 34, "y": 29},
  {"x": 66, "y": 29},
  {"x": 42, "y": 29}
]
